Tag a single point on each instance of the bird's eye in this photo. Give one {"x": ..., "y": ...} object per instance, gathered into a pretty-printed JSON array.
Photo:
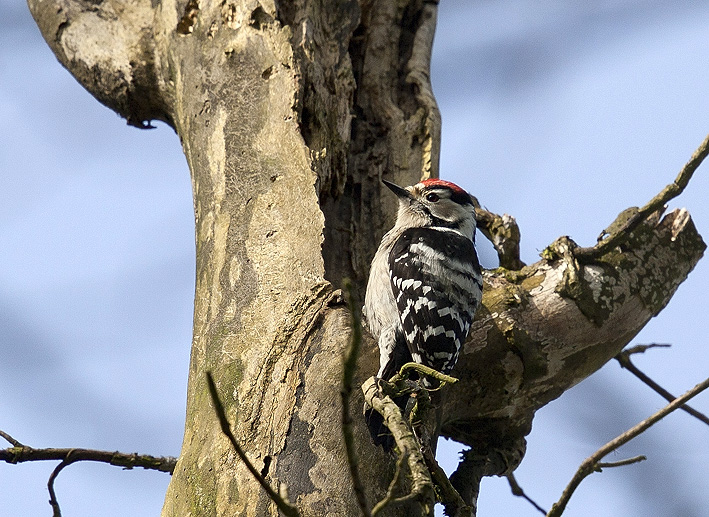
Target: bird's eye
[{"x": 432, "y": 197}]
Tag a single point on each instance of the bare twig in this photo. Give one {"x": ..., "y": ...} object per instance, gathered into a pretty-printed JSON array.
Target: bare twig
[
  {"x": 670, "y": 192},
  {"x": 284, "y": 506},
  {"x": 640, "y": 349},
  {"x": 53, "y": 502},
  {"x": 23, "y": 453},
  {"x": 453, "y": 503},
  {"x": 10, "y": 439},
  {"x": 421, "y": 484},
  {"x": 422, "y": 370},
  {"x": 517, "y": 490},
  {"x": 20, "y": 453},
  {"x": 622, "y": 463},
  {"x": 389, "y": 497},
  {"x": 624, "y": 359},
  {"x": 349, "y": 366},
  {"x": 590, "y": 464}
]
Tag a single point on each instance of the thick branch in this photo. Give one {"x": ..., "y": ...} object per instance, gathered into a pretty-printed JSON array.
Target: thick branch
[
  {"x": 497, "y": 457},
  {"x": 546, "y": 327},
  {"x": 109, "y": 47}
]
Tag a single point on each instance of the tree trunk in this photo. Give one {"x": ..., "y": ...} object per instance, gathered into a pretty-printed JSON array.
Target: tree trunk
[{"x": 289, "y": 114}]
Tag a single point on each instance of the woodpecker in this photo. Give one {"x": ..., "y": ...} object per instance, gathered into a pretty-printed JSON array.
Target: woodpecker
[{"x": 425, "y": 282}]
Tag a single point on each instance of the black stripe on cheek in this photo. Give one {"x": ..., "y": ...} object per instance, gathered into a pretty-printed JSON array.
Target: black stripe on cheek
[{"x": 437, "y": 221}]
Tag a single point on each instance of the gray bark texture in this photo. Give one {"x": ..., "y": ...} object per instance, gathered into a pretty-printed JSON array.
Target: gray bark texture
[{"x": 289, "y": 114}]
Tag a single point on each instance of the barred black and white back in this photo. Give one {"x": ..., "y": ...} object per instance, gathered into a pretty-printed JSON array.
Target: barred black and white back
[
  {"x": 436, "y": 281},
  {"x": 425, "y": 283}
]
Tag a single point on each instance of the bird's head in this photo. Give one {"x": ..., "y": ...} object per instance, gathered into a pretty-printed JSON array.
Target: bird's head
[{"x": 435, "y": 203}]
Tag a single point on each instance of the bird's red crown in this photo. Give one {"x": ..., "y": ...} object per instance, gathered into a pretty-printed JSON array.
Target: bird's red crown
[
  {"x": 458, "y": 194},
  {"x": 435, "y": 182}
]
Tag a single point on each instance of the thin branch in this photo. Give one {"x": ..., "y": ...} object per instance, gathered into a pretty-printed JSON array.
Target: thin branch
[
  {"x": 389, "y": 497},
  {"x": 10, "y": 439},
  {"x": 53, "y": 502},
  {"x": 453, "y": 503},
  {"x": 23, "y": 453},
  {"x": 20, "y": 453},
  {"x": 284, "y": 506},
  {"x": 422, "y": 370},
  {"x": 640, "y": 349},
  {"x": 517, "y": 490},
  {"x": 670, "y": 192},
  {"x": 622, "y": 463},
  {"x": 624, "y": 359},
  {"x": 421, "y": 484},
  {"x": 349, "y": 366},
  {"x": 590, "y": 464}
]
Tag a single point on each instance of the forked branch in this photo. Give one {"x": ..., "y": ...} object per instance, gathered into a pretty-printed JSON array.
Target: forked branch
[
  {"x": 593, "y": 463},
  {"x": 20, "y": 453},
  {"x": 408, "y": 445}
]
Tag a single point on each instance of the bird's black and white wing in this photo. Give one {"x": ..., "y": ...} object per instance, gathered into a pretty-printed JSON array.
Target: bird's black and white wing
[{"x": 437, "y": 285}]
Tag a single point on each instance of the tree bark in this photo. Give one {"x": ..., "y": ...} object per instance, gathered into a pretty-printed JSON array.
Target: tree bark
[{"x": 289, "y": 114}]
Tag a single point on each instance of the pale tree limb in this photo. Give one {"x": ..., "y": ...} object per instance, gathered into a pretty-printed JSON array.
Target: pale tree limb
[
  {"x": 408, "y": 445},
  {"x": 624, "y": 359},
  {"x": 283, "y": 505},
  {"x": 349, "y": 367},
  {"x": 593, "y": 464},
  {"x": 503, "y": 232}
]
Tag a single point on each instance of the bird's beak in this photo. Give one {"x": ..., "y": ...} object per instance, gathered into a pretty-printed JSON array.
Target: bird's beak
[{"x": 401, "y": 193}]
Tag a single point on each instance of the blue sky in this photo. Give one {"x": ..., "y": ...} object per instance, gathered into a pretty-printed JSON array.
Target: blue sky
[{"x": 559, "y": 113}]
